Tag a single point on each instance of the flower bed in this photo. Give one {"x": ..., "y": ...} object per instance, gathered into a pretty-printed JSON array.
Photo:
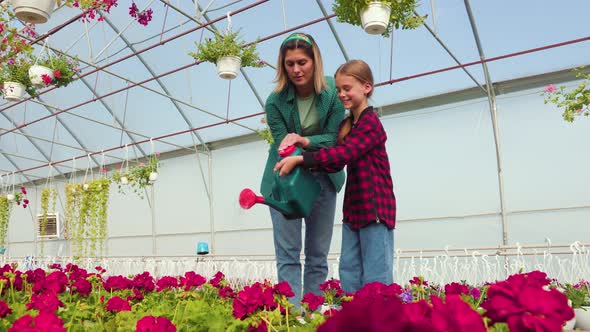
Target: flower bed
[{"x": 72, "y": 299}]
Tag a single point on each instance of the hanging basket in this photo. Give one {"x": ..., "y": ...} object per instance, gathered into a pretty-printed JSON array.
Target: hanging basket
[
  {"x": 33, "y": 11},
  {"x": 228, "y": 67},
  {"x": 13, "y": 91},
  {"x": 375, "y": 18},
  {"x": 124, "y": 180},
  {"x": 35, "y": 73},
  {"x": 153, "y": 177}
]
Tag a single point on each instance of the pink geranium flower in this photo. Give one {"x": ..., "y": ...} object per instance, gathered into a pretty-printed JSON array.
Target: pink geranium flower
[{"x": 550, "y": 88}]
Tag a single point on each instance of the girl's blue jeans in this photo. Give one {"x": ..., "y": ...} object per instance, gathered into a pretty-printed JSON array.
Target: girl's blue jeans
[{"x": 367, "y": 256}]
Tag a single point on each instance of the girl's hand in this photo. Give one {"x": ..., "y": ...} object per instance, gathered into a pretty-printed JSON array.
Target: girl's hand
[
  {"x": 294, "y": 139},
  {"x": 286, "y": 165}
]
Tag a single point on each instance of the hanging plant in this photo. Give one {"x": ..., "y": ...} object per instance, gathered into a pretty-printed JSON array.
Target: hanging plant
[
  {"x": 14, "y": 75},
  {"x": 574, "y": 102},
  {"x": 137, "y": 178},
  {"x": 401, "y": 13},
  {"x": 12, "y": 45},
  {"x": 63, "y": 70},
  {"x": 228, "y": 49},
  {"x": 6, "y": 202},
  {"x": 86, "y": 216},
  {"x": 5, "y": 209}
]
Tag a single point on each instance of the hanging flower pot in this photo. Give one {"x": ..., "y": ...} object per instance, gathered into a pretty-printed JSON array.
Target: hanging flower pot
[
  {"x": 228, "y": 67},
  {"x": 36, "y": 73},
  {"x": 124, "y": 180},
  {"x": 153, "y": 176},
  {"x": 33, "y": 11},
  {"x": 375, "y": 18},
  {"x": 13, "y": 91}
]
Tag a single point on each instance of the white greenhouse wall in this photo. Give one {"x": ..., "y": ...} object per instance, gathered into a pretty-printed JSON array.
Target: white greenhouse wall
[{"x": 444, "y": 169}]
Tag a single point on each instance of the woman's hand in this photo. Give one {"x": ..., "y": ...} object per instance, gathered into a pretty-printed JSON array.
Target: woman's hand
[
  {"x": 294, "y": 139},
  {"x": 286, "y": 165}
]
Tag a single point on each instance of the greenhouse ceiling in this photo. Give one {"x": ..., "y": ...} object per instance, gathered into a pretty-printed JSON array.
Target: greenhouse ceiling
[{"x": 139, "y": 91}]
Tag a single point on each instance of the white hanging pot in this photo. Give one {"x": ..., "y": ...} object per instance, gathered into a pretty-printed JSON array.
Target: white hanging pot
[
  {"x": 35, "y": 73},
  {"x": 228, "y": 67},
  {"x": 10, "y": 197},
  {"x": 153, "y": 176},
  {"x": 33, "y": 11},
  {"x": 13, "y": 91},
  {"x": 124, "y": 180},
  {"x": 375, "y": 18},
  {"x": 583, "y": 318}
]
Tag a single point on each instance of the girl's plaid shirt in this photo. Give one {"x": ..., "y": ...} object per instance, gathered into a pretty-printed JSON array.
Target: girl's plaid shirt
[{"x": 369, "y": 193}]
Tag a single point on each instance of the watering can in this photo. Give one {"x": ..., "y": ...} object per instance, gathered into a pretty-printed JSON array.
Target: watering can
[{"x": 292, "y": 194}]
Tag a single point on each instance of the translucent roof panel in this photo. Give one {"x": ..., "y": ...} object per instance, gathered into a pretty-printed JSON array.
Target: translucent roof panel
[{"x": 140, "y": 83}]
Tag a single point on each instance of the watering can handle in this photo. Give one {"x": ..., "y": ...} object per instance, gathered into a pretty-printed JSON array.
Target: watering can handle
[{"x": 287, "y": 151}]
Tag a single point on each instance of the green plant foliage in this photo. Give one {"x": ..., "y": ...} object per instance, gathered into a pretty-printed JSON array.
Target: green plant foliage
[
  {"x": 228, "y": 45},
  {"x": 138, "y": 176},
  {"x": 86, "y": 216},
  {"x": 5, "y": 209},
  {"x": 575, "y": 102},
  {"x": 64, "y": 68},
  {"x": 402, "y": 13},
  {"x": 18, "y": 71}
]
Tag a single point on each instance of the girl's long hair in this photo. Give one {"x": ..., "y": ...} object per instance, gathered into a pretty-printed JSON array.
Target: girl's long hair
[
  {"x": 361, "y": 71},
  {"x": 313, "y": 51}
]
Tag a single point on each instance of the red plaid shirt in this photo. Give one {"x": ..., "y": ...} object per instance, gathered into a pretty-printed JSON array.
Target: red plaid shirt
[{"x": 369, "y": 196}]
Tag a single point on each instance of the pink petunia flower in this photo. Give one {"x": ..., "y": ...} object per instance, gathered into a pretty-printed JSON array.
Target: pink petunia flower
[{"x": 550, "y": 88}]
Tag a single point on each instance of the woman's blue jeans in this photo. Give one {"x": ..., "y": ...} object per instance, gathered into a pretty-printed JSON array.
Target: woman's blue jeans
[
  {"x": 367, "y": 256},
  {"x": 287, "y": 235}
]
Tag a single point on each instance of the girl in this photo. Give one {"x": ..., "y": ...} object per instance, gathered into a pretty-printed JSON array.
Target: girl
[
  {"x": 369, "y": 202},
  {"x": 304, "y": 110}
]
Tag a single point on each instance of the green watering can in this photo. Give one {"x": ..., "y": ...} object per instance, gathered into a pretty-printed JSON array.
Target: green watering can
[{"x": 293, "y": 194}]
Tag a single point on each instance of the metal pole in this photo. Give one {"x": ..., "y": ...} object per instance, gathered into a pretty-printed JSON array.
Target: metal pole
[
  {"x": 493, "y": 114},
  {"x": 153, "y": 206},
  {"x": 212, "y": 249}
]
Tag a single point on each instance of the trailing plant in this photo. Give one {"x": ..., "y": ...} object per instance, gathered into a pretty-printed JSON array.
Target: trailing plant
[
  {"x": 229, "y": 44},
  {"x": 86, "y": 215},
  {"x": 575, "y": 102},
  {"x": 5, "y": 209},
  {"x": 6, "y": 201},
  {"x": 402, "y": 13}
]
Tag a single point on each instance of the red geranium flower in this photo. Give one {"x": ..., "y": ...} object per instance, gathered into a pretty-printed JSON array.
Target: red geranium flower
[
  {"x": 151, "y": 323},
  {"x": 117, "y": 304}
]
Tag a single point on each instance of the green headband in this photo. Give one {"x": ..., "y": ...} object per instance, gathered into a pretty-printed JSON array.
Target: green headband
[{"x": 297, "y": 36}]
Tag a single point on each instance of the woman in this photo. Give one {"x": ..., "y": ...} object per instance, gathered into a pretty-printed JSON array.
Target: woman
[{"x": 304, "y": 110}]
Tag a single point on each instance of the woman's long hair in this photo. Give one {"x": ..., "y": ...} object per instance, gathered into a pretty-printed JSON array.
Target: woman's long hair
[{"x": 312, "y": 50}]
